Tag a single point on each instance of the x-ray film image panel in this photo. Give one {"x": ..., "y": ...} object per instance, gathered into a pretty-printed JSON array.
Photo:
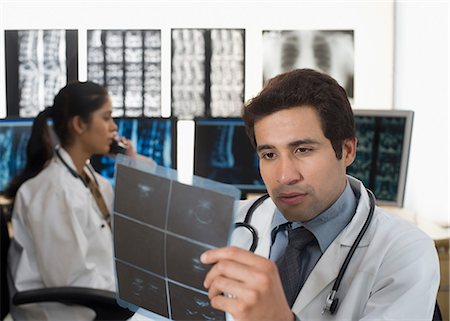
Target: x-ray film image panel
[
  {"x": 187, "y": 304},
  {"x": 183, "y": 262},
  {"x": 200, "y": 214},
  {"x": 142, "y": 289},
  {"x": 329, "y": 51},
  {"x": 141, "y": 195},
  {"x": 139, "y": 244}
]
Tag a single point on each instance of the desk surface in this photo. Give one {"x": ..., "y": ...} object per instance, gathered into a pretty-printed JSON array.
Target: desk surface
[{"x": 435, "y": 231}]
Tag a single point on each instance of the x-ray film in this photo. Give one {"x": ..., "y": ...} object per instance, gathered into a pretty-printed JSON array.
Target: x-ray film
[
  {"x": 161, "y": 226},
  {"x": 329, "y": 51}
]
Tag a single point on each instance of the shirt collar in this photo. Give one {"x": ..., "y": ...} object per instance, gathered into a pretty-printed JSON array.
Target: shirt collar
[{"x": 327, "y": 225}]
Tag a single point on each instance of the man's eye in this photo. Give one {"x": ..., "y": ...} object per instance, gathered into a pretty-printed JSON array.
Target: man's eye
[
  {"x": 268, "y": 155},
  {"x": 302, "y": 150}
]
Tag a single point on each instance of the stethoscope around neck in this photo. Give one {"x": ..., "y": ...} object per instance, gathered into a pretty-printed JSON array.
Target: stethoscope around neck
[
  {"x": 73, "y": 172},
  {"x": 331, "y": 303}
]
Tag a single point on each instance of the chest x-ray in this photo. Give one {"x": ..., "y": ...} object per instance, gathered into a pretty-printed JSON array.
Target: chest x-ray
[
  {"x": 328, "y": 51},
  {"x": 161, "y": 226}
]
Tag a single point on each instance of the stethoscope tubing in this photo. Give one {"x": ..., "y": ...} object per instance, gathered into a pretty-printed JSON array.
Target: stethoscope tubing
[{"x": 332, "y": 301}]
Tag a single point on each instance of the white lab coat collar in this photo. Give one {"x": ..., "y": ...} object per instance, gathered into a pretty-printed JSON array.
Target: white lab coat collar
[
  {"x": 65, "y": 156},
  {"x": 328, "y": 266}
]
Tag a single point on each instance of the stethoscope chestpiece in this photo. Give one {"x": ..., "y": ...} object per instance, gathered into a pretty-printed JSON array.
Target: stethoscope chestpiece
[{"x": 331, "y": 302}]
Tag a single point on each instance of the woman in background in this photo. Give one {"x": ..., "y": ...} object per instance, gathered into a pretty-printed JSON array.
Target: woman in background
[{"x": 61, "y": 209}]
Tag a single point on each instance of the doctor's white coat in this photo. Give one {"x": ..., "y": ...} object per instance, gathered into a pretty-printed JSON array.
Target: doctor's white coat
[
  {"x": 393, "y": 275},
  {"x": 60, "y": 238}
]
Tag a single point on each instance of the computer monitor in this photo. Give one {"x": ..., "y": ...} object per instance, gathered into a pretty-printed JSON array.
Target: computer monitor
[
  {"x": 384, "y": 138},
  {"x": 14, "y": 135},
  {"x": 223, "y": 152},
  {"x": 152, "y": 137}
]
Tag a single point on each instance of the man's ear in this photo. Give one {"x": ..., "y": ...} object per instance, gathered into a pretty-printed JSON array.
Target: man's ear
[
  {"x": 78, "y": 125},
  {"x": 349, "y": 150}
]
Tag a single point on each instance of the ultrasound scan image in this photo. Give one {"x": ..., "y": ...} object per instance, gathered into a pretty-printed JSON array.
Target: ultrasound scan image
[
  {"x": 159, "y": 238},
  {"x": 207, "y": 72},
  {"x": 142, "y": 289},
  {"x": 188, "y": 304},
  {"x": 128, "y": 64},
  {"x": 199, "y": 214},
  {"x": 140, "y": 189},
  {"x": 183, "y": 262},
  {"x": 139, "y": 244},
  {"x": 331, "y": 52}
]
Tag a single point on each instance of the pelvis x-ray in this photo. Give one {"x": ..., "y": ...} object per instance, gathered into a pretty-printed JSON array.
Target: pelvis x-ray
[
  {"x": 328, "y": 51},
  {"x": 161, "y": 227}
]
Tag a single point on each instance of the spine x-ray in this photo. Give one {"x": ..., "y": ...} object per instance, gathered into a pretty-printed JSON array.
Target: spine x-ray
[
  {"x": 128, "y": 64},
  {"x": 207, "y": 72},
  {"x": 37, "y": 62},
  {"x": 379, "y": 154}
]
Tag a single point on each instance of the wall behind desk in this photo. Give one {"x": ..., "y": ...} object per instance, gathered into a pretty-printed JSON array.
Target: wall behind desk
[{"x": 420, "y": 43}]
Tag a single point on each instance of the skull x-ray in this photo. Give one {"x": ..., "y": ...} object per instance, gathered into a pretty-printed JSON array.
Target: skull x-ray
[
  {"x": 207, "y": 72},
  {"x": 161, "y": 226},
  {"x": 128, "y": 64},
  {"x": 328, "y": 51}
]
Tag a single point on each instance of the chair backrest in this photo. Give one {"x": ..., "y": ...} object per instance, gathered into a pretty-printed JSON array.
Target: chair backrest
[
  {"x": 4, "y": 294},
  {"x": 437, "y": 316}
]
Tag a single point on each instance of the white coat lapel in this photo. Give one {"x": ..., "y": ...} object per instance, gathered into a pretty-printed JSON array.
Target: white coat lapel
[{"x": 327, "y": 268}]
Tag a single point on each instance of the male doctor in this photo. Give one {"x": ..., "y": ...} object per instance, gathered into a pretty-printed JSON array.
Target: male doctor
[{"x": 303, "y": 129}]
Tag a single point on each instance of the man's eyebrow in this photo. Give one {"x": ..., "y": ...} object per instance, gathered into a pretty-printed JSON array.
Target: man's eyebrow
[
  {"x": 307, "y": 141},
  {"x": 263, "y": 147}
]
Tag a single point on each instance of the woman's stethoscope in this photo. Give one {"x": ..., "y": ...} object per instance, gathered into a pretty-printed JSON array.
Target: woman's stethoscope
[
  {"x": 332, "y": 301},
  {"x": 74, "y": 173}
]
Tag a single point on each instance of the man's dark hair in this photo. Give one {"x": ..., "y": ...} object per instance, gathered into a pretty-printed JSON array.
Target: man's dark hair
[{"x": 305, "y": 88}]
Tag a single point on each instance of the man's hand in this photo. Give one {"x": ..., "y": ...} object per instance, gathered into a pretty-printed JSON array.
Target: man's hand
[{"x": 245, "y": 285}]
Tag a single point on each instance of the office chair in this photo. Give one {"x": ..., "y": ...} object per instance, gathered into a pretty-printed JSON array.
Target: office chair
[{"x": 103, "y": 302}]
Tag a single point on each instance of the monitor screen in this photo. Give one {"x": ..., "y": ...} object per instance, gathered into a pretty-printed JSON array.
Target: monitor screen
[
  {"x": 223, "y": 152},
  {"x": 152, "y": 137},
  {"x": 14, "y": 135},
  {"x": 381, "y": 163}
]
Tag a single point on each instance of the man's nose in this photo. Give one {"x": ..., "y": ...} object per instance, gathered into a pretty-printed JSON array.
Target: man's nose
[{"x": 288, "y": 171}]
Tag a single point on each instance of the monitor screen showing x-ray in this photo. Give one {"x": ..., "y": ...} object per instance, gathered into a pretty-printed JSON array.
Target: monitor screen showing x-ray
[
  {"x": 381, "y": 163},
  {"x": 223, "y": 152},
  {"x": 14, "y": 135},
  {"x": 151, "y": 137},
  {"x": 161, "y": 226}
]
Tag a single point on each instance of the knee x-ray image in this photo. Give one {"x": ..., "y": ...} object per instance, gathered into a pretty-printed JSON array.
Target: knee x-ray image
[
  {"x": 329, "y": 51},
  {"x": 161, "y": 226}
]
